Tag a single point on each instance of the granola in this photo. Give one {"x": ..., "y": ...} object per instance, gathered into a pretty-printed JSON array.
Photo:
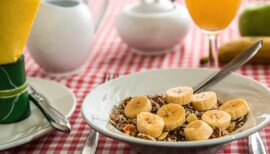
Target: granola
[{"x": 128, "y": 126}]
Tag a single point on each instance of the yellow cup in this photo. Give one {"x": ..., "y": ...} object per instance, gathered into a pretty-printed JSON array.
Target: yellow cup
[{"x": 16, "y": 19}]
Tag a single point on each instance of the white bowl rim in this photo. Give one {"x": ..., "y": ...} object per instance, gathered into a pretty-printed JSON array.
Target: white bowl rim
[{"x": 180, "y": 144}]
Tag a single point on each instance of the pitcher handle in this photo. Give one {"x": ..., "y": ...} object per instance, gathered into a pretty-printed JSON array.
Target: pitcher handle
[{"x": 102, "y": 13}]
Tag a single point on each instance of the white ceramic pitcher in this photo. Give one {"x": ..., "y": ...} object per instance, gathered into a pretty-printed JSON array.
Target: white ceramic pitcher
[{"x": 62, "y": 35}]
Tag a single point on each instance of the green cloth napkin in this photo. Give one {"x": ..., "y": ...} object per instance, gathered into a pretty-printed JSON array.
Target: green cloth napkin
[{"x": 14, "y": 102}]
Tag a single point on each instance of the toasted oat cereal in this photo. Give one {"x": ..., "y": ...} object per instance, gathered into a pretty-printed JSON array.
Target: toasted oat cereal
[{"x": 128, "y": 126}]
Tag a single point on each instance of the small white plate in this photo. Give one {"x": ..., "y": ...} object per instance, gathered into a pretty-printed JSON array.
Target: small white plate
[{"x": 36, "y": 125}]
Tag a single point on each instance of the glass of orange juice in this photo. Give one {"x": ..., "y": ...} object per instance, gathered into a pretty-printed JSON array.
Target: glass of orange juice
[{"x": 213, "y": 16}]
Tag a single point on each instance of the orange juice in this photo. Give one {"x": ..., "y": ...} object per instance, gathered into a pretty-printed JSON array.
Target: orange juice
[
  {"x": 16, "y": 19},
  {"x": 213, "y": 15}
]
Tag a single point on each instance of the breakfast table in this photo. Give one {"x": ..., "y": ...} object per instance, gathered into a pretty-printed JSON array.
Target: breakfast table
[{"x": 109, "y": 54}]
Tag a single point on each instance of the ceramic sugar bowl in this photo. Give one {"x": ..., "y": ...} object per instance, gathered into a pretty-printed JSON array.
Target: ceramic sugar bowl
[{"x": 153, "y": 26}]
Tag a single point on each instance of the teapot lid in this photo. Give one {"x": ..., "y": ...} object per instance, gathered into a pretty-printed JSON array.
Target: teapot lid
[{"x": 153, "y": 6}]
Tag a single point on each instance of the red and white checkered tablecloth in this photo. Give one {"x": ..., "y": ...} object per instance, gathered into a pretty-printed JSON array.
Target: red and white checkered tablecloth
[{"x": 111, "y": 55}]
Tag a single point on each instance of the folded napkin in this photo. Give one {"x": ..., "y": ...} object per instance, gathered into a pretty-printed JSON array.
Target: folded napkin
[{"x": 16, "y": 18}]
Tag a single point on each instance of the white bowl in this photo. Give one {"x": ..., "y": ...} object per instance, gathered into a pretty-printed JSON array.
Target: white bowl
[
  {"x": 153, "y": 33},
  {"x": 98, "y": 105}
]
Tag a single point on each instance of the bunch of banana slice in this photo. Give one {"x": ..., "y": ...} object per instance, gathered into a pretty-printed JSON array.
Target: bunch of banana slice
[{"x": 172, "y": 115}]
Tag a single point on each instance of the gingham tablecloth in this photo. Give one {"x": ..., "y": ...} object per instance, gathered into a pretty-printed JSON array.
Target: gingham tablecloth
[{"x": 111, "y": 55}]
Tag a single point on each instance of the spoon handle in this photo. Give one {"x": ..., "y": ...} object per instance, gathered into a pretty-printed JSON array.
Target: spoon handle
[
  {"x": 237, "y": 62},
  {"x": 91, "y": 143},
  {"x": 55, "y": 118},
  {"x": 256, "y": 144}
]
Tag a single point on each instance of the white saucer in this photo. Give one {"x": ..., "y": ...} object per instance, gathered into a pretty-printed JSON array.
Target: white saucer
[{"x": 36, "y": 125}]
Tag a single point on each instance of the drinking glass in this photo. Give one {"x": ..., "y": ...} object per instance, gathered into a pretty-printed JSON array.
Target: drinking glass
[{"x": 213, "y": 16}]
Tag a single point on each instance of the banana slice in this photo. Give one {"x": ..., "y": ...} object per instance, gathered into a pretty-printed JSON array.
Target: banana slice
[
  {"x": 163, "y": 136},
  {"x": 150, "y": 124},
  {"x": 204, "y": 101},
  {"x": 173, "y": 115},
  {"x": 236, "y": 108},
  {"x": 217, "y": 118},
  {"x": 179, "y": 95},
  {"x": 137, "y": 105},
  {"x": 197, "y": 130},
  {"x": 191, "y": 117}
]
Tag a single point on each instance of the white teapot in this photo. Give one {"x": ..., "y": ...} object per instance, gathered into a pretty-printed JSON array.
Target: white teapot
[
  {"x": 62, "y": 34},
  {"x": 153, "y": 26}
]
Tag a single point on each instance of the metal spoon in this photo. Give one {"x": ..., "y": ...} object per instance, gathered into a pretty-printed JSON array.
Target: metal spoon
[
  {"x": 237, "y": 62},
  {"x": 255, "y": 141},
  {"x": 54, "y": 117},
  {"x": 256, "y": 144}
]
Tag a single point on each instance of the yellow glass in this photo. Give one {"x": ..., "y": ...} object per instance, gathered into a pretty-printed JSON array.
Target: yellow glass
[
  {"x": 212, "y": 16},
  {"x": 16, "y": 19}
]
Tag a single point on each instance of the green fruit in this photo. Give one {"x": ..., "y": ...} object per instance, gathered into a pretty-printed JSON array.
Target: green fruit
[{"x": 255, "y": 20}]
